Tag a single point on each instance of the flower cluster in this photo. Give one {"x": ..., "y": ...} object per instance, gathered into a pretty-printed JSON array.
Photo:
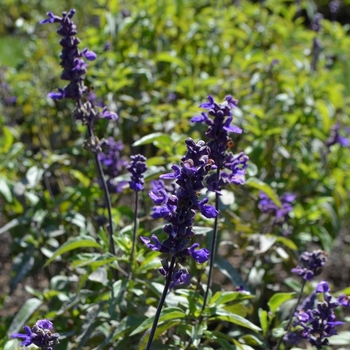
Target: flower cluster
[
  {"x": 137, "y": 167},
  {"x": 336, "y": 137},
  {"x": 160, "y": 194},
  {"x": 310, "y": 264},
  {"x": 281, "y": 214},
  {"x": 218, "y": 132},
  {"x": 74, "y": 69},
  {"x": 180, "y": 209},
  {"x": 40, "y": 335},
  {"x": 113, "y": 162},
  {"x": 316, "y": 324}
]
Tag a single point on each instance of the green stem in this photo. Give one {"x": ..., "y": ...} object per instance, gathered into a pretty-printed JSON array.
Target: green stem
[
  {"x": 213, "y": 246},
  {"x": 107, "y": 200},
  {"x": 134, "y": 233},
  {"x": 161, "y": 303},
  {"x": 292, "y": 315}
]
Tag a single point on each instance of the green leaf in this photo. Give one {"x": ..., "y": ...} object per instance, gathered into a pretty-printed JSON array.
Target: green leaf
[
  {"x": 166, "y": 57},
  {"x": 116, "y": 294},
  {"x": 34, "y": 175},
  {"x": 264, "y": 187},
  {"x": 236, "y": 319},
  {"x": 251, "y": 340},
  {"x": 74, "y": 243},
  {"x": 226, "y": 297},
  {"x": 287, "y": 242},
  {"x": 264, "y": 322},
  {"x": 150, "y": 138},
  {"x": 89, "y": 325},
  {"x": 343, "y": 338},
  {"x": 75, "y": 299},
  {"x": 160, "y": 329},
  {"x": 94, "y": 260},
  {"x": 24, "y": 313},
  {"x": 82, "y": 178},
  {"x": 6, "y": 140},
  {"x": 278, "y": 299},
  {"x": 167, "y": 314},
  {"x": 13, "y": 223},
  {"x": 22, "y": 264},
  {"x": 229, "y": 271},
  {"x": 5, "y": 190}
]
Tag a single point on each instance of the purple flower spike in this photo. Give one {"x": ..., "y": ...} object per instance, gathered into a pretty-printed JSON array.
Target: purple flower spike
[
  {"x": 40, "y": 335},
  {"x": 179, "y": 208},
  {"x": 316, "y": 324},
  {"x": 74, "y": 70},
  {"x": 311, "y": 265},
  {"x": 232, "y": 169},
  {"x": 137, "y": 167}
]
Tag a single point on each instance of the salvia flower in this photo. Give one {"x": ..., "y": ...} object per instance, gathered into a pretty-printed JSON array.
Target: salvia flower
[
  {"x": 219, "y": 128},
  {"x": 180, "y": 209},
  {"x": 344, "y": 300},
  {"x": 316, "y": 324},
  {"x": 281, "y": 214},
  {"x": 39, "y": 335},
  {"x": 113, "y": 162},
  {"x": 137, "y": 167},
  {"x": 75, "y": 69},
  {"x": 294, "y": 337},
  {"x": 310, "y": 264},
  {"x": 160, "y": 194},
  {"x": 337, "y": 135}
]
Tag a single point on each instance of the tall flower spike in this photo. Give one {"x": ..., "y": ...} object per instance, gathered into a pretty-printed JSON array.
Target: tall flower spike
[
  {"x": 316, "y": 324},
  {"x": 230, "y": 169},
  {"x": 310, "y": 264},
  {"x": 74, "y": 69},
  {"x": 137, "y": 167},
  {"x": 181, "y": 208},
  {"x": 40, "y": 335},
  {"x": 218, "y": 132}
]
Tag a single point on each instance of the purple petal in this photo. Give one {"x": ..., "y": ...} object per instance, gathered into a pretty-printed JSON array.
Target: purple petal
[
  {"x": 51, "y": 18},
  {"x": 322, "y": 287},
  {"x": 89, "y": 55},
  {"x": 180, "y": 277},
  {"x": 199, "y": 118},
  {"x": 57, "y": 95},
  {"x": 157, "y": 246},
  {"x": 201, "y": 255},
  {"x": 209, "y": 104},
  {"x": 207, "y": 210},
  {"x": 233, "y": 128},
  {"x": 107, "y": 114},
  {"x": 45, "y": 324}
]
